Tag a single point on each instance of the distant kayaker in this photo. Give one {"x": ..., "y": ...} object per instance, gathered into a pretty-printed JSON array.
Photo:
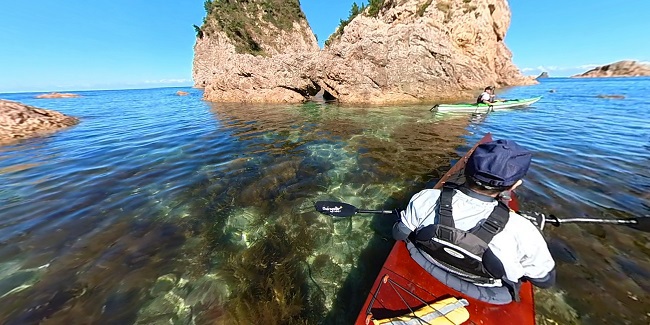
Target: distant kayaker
[
  {"x": 469, "y": 240},
  {"x": 487, "y": 96}
]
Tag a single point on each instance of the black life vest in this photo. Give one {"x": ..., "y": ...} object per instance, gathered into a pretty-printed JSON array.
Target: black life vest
[
  {"x": 463, "y": 253},
  {"x": 478, "y": 99}
]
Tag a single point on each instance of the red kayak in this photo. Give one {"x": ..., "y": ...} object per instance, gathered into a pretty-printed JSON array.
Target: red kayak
[{"x": 402, "y": 286}]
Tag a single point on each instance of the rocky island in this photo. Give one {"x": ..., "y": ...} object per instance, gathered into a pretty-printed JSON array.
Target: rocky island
[
  {"x": 542, "y": 75},
  {"x": 390, "y": 51},
  {"x": 625, "y": 68},
  {"x": 57, "y": 95},
  {"x": 19, "y": 121}
]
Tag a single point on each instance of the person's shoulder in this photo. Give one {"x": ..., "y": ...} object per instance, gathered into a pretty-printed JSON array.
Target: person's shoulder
[
  {"x": 521, "y": 225},
  {"x": 426, "y": 194}
]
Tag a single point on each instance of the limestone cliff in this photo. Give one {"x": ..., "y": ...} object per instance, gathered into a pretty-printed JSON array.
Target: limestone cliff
[
  {"x": 625, "y": 68},
  {"x": 253, "y": 51},
  {"x": 392, "y": 51},
  {"x": 19, "y": 121},
  {"x": 413, "y": 50}
]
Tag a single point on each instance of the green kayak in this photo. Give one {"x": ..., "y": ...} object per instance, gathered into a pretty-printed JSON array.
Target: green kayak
[{"x": 483, "y": 108}]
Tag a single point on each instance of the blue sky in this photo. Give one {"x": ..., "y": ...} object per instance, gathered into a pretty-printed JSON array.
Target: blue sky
[{"x": 78, "y": 45}]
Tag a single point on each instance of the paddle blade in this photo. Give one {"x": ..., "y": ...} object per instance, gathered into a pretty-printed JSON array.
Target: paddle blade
[
  {"x": 642, "y": 223},
  {"x": 335, "y": 209}
]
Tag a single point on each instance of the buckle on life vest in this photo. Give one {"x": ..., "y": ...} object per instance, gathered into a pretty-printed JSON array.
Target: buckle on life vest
[{"x": 491, "y": 226}]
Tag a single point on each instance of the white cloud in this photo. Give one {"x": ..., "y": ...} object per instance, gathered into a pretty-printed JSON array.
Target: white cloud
[
  {"x": 168, "y": 81},
  {"x": 588, "y": 66},
  {"x": 557, "y": 69}
]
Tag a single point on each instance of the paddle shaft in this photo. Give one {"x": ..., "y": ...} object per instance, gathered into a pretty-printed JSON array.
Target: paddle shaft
[
  {"x": 376, "y": 211},
  {"x": 551, "y": 219},
  {"x": 342, "y": 210},
  {"x": 557, "y": 221}
]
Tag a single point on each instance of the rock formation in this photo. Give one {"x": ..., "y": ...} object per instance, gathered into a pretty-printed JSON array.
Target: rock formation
[
  {"x": 543, "y": 75},
  {"x": 392, "y": 51},
  {"x": 57, "y": 95},
  {"x": 625, "y": 68},
  {"x": 254, "y": 51},
  {"x": 182, "y": 93},
  {"x": 19, "y": 121}
]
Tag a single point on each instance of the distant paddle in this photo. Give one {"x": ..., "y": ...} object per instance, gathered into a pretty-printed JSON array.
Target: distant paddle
[{"x": 343, "y": 210}]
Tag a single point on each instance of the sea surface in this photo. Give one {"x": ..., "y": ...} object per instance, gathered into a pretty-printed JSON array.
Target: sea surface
[{"x": 166, "y": 209}]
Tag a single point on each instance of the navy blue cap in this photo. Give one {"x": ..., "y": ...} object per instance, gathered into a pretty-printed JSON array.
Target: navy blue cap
[{"x": 498, "y": 163}]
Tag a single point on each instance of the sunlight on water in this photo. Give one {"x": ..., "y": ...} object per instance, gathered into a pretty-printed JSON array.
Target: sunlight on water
[
  {"x": 158, "y": 208},
  {"x": 590, "y": 158}
]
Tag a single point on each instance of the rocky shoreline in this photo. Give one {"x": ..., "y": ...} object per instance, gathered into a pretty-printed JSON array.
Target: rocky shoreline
[{"x": 19, "y": 121}]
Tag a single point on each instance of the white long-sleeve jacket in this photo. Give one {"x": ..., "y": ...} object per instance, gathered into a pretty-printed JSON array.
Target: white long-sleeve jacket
[{"x": 520, "y": 246}]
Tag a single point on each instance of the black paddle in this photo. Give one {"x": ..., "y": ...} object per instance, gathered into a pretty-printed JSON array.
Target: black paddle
[{"x": 343, "y": 210}]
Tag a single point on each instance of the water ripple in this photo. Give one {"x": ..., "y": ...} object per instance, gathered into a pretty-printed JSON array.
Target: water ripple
[
  {"x": 158, "y": 207},
  {"x": 590, "y": 157}
]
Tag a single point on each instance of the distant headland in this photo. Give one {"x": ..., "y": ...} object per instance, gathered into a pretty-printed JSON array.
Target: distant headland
[
  {"x": 57, "y": 95},
  {"x": 626, "y": 68}
]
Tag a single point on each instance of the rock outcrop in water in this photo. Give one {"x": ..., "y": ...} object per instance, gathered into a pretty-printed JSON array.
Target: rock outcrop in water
[
  {"x": 57, "y": 95},
  {"x": 626, "y": 68},
  {"x": 254, "y": 51},
  {"x": 392, "y": 51},
  {"x": 19, "y": 121}
]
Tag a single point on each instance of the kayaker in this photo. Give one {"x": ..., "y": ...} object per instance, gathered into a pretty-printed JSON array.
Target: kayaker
[
  {"x": 487, "y": 96},
  {"x": 469, "y": 240}
]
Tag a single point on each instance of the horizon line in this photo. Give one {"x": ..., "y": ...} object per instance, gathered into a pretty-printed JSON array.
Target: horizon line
[{"x": 88, "y": 90}]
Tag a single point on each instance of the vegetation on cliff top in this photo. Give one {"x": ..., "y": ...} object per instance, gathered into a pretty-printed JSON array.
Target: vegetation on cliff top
[
  {"x": 239, "y": 20},
  {"x": 373, "y": 8}
]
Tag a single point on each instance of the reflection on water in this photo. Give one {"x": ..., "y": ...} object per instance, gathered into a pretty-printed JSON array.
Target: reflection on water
[
  {"x": 166, "y": 209},
  {"x": 159, "y": 208},
  {"x": 591, "y": 158}
]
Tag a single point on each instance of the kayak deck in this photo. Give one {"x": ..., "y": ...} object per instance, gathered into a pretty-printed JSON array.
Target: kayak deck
[
  {"x": 403, "y": 270},
  {"x": 506, "y": 104},
  {"x": 402, "y": 284}
]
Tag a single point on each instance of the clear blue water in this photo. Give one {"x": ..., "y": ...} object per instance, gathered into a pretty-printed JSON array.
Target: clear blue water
[{"x": 159, "y": 208}]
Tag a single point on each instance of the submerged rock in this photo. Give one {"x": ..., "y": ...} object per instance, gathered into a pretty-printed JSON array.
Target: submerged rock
[
  {"x": 611, "y": 96},
  {"x": 19, "y": 121},
  {"x": 182, "y": 93},
  {"x": 164, "y": 284},
  {"x": 392, "y": 51},
  {"x": 561, "y": 251},
  {"x": 208, "y": 290},
  {"x": 552, "y": 302},
  {"x": 639, "y": 274}
]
